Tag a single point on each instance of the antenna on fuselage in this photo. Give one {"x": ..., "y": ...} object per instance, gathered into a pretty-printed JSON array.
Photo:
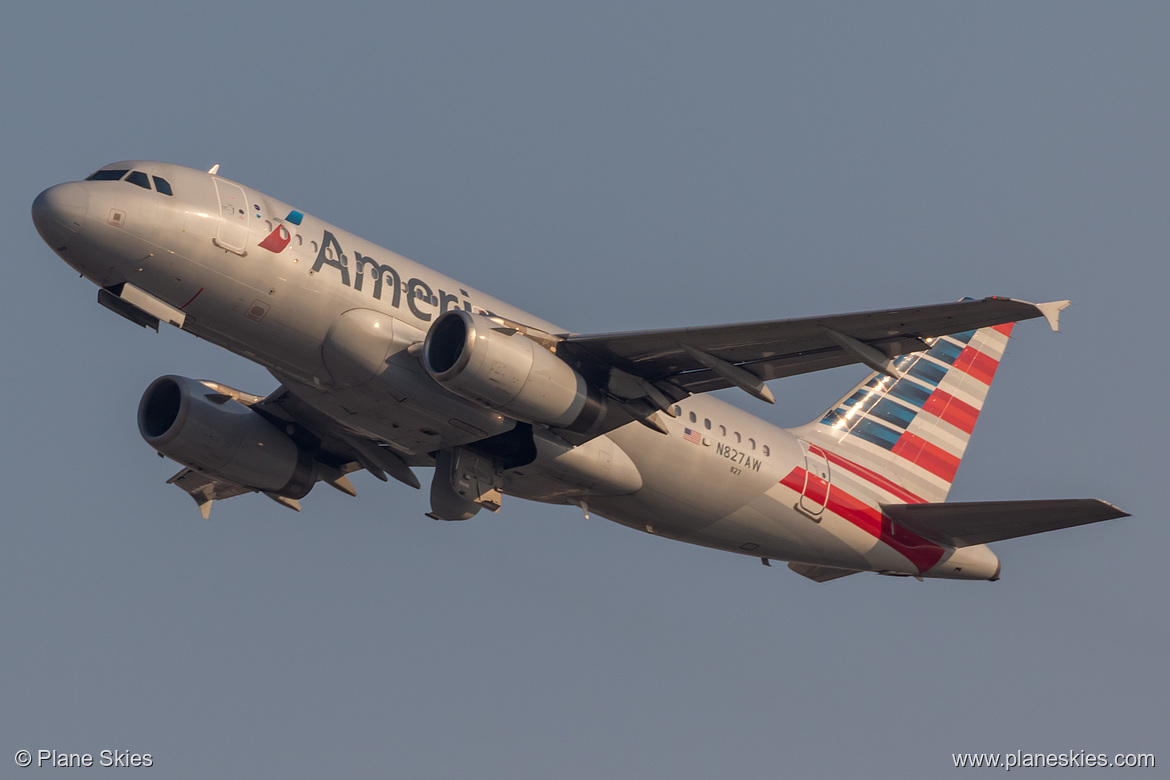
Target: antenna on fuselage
[{"x": 214, "y": 169}]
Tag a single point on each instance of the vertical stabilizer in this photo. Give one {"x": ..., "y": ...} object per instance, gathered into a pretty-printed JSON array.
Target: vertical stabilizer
[{"x": 909, "y": 434}]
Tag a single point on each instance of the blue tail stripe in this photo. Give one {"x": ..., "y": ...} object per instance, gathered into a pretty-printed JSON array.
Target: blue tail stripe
[
  {"x": 893, "y": 413},
  {"x": 876, "y": 433},
  {"x": 928, "y": 372},
  {"x": 963, "y": 337},
  {"x": 945, "y": 351},
  {"x": 855, "y": 399},
  {"x": 831, "y": 418},
  {"x": 910, "y": 393}
]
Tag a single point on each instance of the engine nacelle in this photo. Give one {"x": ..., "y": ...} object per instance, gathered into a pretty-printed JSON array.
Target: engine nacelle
[
  {"x": 502, "y": 369},
  {"x": 213, "y": 433}
]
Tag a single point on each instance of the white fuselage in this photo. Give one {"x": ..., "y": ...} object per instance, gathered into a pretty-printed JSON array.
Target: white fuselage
[{"x": 324, "y": 310}]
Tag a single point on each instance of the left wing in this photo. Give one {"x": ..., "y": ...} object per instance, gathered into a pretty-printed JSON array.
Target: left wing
[
  {"x": 336, "y": 450},
  {"x": 697, "y": 360},
  {"x": 205, "y": 489}
]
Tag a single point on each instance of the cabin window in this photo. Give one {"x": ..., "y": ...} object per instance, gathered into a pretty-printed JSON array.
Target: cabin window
[
  {"x": 767, "y": 451},
  {"x": 694, "y": 418},
  {"x": 139, "y": 178},
  {"x": 752, "y": 443},
  {"x": 707, "y": 423},
  {"x": 722, "y": 430},
  {"x": 677, "y": 410},
  {"x": 107, "y": 175},
  {"x": 738, "y": 438},
  {"x": 162, "y": 185}
]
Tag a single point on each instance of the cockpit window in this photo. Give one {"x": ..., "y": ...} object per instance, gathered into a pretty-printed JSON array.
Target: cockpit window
[
  {"x": 107, "y": 175},
  {"x": 162, "y": 185},
  {"x": 139, "y": 178}
]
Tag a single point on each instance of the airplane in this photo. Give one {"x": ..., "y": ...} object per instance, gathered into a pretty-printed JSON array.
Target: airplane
[{"x": 387, "y": 366}]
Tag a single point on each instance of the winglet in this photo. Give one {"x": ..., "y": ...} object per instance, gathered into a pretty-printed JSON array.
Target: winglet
[{"x": 1051, "y": 312}]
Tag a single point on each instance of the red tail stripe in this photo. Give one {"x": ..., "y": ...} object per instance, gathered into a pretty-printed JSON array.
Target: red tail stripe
[
  {"x": 874, "y": 478},
  {"x": 795, "y": 480},
  {"x": 923, "y": 553},
  {"x": 1004, "y": 328},
  {"x": 929, "y": 456},
  {"x": 949, "y": 409},
  {"x": 974, "y": 363}
]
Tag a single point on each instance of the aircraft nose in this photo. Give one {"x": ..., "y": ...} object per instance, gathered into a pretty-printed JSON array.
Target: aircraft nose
[{"x": 60, "y": 211}]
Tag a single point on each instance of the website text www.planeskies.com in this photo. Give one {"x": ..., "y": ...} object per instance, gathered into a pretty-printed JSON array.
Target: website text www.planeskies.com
[{"x": 1069, "y": 758}]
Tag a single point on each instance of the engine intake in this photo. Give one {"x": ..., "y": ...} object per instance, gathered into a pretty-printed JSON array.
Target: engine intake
[
  {"x": 215, "y": 434},
  {"x": 500, "y": 368}
]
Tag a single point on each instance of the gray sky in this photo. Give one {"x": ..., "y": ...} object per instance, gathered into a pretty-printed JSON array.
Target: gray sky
[{"x": 610, "y": 166}]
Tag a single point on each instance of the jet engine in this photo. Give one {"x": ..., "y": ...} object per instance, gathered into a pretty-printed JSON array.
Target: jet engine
[
  {"x": 499, "y": 367},
  {"x": 212, "y": 433}
]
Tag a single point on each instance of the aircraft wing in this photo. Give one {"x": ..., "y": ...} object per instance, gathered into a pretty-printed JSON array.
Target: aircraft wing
[
  {"x": 698, "y": 360},
  {"x": 337, "y": 451},
  {"x": 205, "y": 489},
  {"x": 963, "y": 524}
]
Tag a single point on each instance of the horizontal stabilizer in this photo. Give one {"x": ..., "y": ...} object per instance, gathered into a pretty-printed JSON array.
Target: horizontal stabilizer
[
  {"x": 980, "y": 522},
  {"x": 820, "y": 573}
]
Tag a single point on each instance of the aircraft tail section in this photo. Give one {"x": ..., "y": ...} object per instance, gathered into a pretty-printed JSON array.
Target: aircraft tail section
[{"x": 908, "y": 435}]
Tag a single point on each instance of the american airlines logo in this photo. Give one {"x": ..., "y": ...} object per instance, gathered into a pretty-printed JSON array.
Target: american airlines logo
[
  {"x": 278, "y": 239},
  {"x": 383, "y": 278}
]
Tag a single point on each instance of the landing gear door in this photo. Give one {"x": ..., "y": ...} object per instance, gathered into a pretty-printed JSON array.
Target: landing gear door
[
  {"x": 817, "y": 481},
  {"x": 232, "y": 234}
]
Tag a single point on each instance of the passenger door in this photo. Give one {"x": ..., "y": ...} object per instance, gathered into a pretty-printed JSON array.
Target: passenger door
[
  {"x": 817, "y": 481},
  {"x": 232, "y": 234}
]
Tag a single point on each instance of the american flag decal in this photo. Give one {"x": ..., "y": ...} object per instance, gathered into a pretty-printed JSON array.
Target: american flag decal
[{"x": 694, "y": 437}]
